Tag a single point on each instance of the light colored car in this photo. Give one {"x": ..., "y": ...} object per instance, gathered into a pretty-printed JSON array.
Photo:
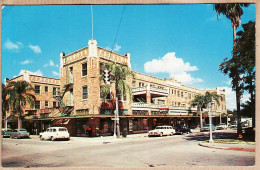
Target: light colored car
[
  {"x": 162, "y": 131},
  {"x": 233, "y": 125},
  {"x": 19, "y": 133},
  {"x": 221, "y": 126},
  {"x": 54, "y": 133}
]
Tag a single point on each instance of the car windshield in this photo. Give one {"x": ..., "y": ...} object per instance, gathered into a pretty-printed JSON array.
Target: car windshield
[
  {"x": 22, "y": 129},
  {"x": 62, "y": 129},
  {"x": 234, "y": 123}
]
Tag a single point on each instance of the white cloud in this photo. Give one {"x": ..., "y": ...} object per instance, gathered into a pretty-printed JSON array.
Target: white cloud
[
  {"x": 107, "y": 48},
  {"x": 37, "y": 73},
  {"x": 231, "y": 98},
  {"x": 13, "y": 46},
  {"x": 174, "y": 66},
  {"x": 57, "y": 65},
  {"x": 35, "y": 48},
  {"x": 55, "y": 73},
  {"x": 26, "y": 62},
  {"x": 117, "y": 48},
  {"x": 51, "y": 63}
]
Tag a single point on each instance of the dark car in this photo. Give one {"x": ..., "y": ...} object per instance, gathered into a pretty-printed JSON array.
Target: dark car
[
  {"x": 6, "y": 132},
  {"x": 182, "y": 129},
  {"x": 19, "y": 133}
]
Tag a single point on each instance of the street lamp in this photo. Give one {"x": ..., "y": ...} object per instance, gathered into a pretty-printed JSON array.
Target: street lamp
[{"x": 210, "y": 124}]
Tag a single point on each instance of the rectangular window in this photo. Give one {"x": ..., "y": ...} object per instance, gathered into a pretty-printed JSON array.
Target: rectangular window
[
  {"x": 189, "y": 96},
  {"x": 178, "y": 93},
  {"x": 37, "y": 104},
  {"x": 54, "y": 104},
  {"x": 46, "y": 89},
  {"x": 182, "y": 94},
  {"x": 141, "y": 84},
  {"x": 46, "y": 104},
  {"x": 55, "y": 91},
  {"x": 84, "y": 92},
  {"x": 84, "y": 69},
  {"x": 100, "y": 68},
  {"x": 175, "y": 92},
  {"x": 37, "y": 89}
]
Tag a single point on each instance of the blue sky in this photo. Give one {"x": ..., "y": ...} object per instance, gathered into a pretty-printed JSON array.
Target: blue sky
[{"x": 184, "y": 41}]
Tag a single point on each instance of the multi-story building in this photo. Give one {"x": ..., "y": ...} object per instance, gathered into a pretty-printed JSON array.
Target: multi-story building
[{"x": 155, "y": 101}]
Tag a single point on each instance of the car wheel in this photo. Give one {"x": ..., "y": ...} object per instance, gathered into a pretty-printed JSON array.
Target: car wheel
[
  {"x": 52, "y": 138},
  {"x": 181, "y": 133},
  {"x": 161, "y": 134},
  {"x": 188, "y": 132},
  {"x": 171, "y": 134},
  {"x": 41, "y": 138}
]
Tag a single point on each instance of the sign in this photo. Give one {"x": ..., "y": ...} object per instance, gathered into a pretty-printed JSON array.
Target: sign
[
  {"x": 114, "y": 118},
  {"x": 163, "y": 110}
]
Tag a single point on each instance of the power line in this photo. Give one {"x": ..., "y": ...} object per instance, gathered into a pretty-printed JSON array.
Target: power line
[
  {"x": 118, "y": 28},
  {"x": 92, "y": 20}
]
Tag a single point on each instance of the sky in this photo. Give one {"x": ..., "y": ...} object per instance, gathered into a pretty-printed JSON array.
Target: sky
[{"x": 187, "y": 42}]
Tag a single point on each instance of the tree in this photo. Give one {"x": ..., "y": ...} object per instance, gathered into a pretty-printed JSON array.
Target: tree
[
  {"x": 118, "y": 76},
  {"x": 231, "y": 67},
  {"x": 20, "y": 96},
  {"x": 199, "y": 101},
  {"x": 245, "y": 53},
  {"x": 5, "y": 103}
]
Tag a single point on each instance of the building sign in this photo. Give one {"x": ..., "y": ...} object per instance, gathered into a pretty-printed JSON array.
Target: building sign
[
  {"x": 163, "y": 110},
  {"x": 178, "y": 113},
  {"x": 140, "y": 112}
]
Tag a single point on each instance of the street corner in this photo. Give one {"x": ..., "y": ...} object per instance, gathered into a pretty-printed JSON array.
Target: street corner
[{"x": 228, "y": 146}]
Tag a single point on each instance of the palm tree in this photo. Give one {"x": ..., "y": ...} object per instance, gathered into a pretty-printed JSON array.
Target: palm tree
[
  {"x": 118, "y": 75},
  {"x": 199, "y": 101},
  {"x": 20, "y": 96},
  {"x": 5, "y": 103},
  {"x": 233, "y": 12}
]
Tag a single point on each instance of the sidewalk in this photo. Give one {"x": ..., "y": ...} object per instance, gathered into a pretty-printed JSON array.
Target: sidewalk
[{"x": 229, "y": 146}]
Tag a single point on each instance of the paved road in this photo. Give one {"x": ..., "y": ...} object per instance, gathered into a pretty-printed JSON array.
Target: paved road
[{"x": 177, "y": 150}]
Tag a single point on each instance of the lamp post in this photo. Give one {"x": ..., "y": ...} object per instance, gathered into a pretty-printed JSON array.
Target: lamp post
[{"x": 210, "y": 124}]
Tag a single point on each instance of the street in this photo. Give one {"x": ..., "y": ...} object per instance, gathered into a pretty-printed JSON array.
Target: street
[{"x": 177, "y": 150}]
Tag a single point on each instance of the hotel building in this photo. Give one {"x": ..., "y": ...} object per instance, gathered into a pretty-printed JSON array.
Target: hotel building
[{"x": 155, "y": 101}]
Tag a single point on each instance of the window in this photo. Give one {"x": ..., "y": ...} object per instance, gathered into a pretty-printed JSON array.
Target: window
[
  {"x": 46, "y": 104},
  {"x": 141, "y": 84},
  {"x": 55, "y": 91},
  {"x": 100, "y": 68},
  {"x": 46, "y": 89},
  {"x": 37, "y": 89},
  {"x": 178, "y": 93},
  {"x": 84, "y": 92},
  {"x": 133, "y": 84},
  {"x": 172, "y": 91},
  {"x": 37, "y": 104},
  {"x": 54, "y": 104},
  {"x": 182, "y": 94},
  {"x": 54, "y": 130},
  {"x": 84, "y": 69},
  {"x": 189, "y": 96}
]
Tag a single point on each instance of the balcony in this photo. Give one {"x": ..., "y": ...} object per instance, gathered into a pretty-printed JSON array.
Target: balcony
[
  {"x": 158, "y": 105},
  {"x": 139, "y": 104},
  {"x": 154, "y": 92}
]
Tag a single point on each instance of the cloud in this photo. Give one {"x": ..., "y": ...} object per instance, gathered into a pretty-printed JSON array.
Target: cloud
[
  {"x": 26, "y": 62},
  {"x": 12, "y": 46},
  {"x": 51, "y": 63},
  {"x": 174, "y": 66},
  {"x": 55, "y": 73},
  {"x": 35, "y": 48},
  {"x": 117, "y": 48},
  {"x": 37, "y": 73},
  {"x": 231, "y": 98},
  {"x": 107, "y": 48}
]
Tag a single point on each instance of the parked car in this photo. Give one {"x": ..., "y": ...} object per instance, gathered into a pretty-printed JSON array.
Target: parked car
[
  {"x": 161, "y": 131},
  {"x": 6, "y": 132},
  {"x": 206, "y": 128},
  {"x": 54, "y": 133},
  {"x": 233, "y": 125},
  {"x": 182, "y": 129},
  {"x": 221, "y": 126},
  {"x": 19, "y": 133}
]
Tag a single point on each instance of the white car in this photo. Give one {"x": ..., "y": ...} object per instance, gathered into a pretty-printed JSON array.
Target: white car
[
  {"x": 221, "y": 126},
  {"x": 54, "y": 133},
  {"x": 161, "y": 131}
]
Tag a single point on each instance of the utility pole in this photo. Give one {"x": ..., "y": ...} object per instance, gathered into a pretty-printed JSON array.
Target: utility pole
[{"x": 210, "y": 125}]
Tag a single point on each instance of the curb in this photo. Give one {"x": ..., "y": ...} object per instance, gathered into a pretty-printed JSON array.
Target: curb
[{"x": 228, "y": 148}]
